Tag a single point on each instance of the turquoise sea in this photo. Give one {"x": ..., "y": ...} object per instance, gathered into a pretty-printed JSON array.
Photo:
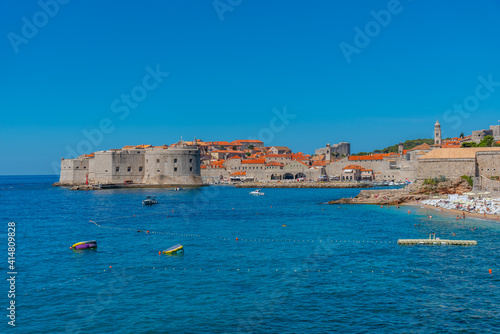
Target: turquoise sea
[{"x": 332, "y": 268}]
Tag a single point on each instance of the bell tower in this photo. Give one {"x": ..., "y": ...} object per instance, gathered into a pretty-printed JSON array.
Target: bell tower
[{"x": 437, "y": 133}]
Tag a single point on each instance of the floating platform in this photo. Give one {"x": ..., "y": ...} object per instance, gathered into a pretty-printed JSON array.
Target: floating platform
[
  {"x": 437, "y": 241},
  {"x": 174, "y": 249}
]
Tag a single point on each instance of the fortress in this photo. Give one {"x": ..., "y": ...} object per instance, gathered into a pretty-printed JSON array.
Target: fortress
[{"x": 178, "y": 164}]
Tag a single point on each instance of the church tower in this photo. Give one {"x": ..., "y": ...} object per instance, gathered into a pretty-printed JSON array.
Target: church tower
[{"x": 437, "y": 133}]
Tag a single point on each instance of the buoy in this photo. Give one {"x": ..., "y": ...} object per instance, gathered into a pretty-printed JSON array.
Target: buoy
[
  {"x": 490, "y": 271},
  {"x": 159, "y": 252},
  {"x": 147, "y": 231},
  {"x": 133, "y": 216},
  {"x": 236, "y": 239},
  {"x": 110, "y": 266},
  {"x": 70, "y": 247}
]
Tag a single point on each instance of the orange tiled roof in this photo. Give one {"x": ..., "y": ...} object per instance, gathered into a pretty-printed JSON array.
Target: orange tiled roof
[
  {"x": 203, "y": 166},
  {"x": 275, "y": 163},
  {"x": 318, "y": 163},
  {"x": 254, "y": 161},
  {"x": 249, "y": 141},
  {"x": 278, "y": 156},
  {"x": 238, "y": 173},
  {"x": 91, "y": 155},
  {"x": 353, "y": 167}
]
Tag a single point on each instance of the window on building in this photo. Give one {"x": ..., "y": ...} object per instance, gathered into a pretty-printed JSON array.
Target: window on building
[
  {"x": 129, "y": 169},
  {"x": 140, "y": 169},
  {"x": 157, "y": 161},
  {"x": 138, "y": 152},
  {"x": 158, "y": 170},
  {"x": 117, "y": 169},
  {"x": 175, "y": 160},
  {"x": 106, "y": 170},
  {"x": 175, "y": 169},
  {"x": 190, "y": 169},
  {"x": 190, "y": 160}
]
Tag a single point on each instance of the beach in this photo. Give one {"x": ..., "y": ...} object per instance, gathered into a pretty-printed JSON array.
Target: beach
[{"x": 455, "y": 212}]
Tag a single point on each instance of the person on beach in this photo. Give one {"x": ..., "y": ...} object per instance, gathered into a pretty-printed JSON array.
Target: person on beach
[{"x": 458, "y": 217}]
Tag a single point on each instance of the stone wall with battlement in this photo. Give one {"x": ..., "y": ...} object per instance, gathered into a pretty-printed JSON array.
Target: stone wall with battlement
[{"x": 178, "y": 165}]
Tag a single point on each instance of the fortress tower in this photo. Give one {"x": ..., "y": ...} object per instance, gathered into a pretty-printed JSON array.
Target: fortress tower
[{"x": 437, "y": 133}]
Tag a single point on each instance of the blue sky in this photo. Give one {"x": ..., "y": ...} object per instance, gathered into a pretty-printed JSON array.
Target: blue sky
[{"x": 67, "y": 71}]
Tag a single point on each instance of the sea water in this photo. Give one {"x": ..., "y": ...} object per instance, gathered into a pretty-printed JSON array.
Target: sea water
[{"x": 279, "y": 263}]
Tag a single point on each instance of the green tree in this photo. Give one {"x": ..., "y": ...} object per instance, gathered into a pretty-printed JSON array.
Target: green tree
[
  {"x": 248, "y": 154},
  {"x": 462, "y": 135},
  {"x": 234, "y": 148},
  {"x": 469, "y": 144},
  {"x": 487, "y": 141},
  {"x": 251, "y": 147}
]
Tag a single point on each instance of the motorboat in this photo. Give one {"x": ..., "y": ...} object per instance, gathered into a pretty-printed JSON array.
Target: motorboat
[
  {"x": 85, "y": 244},
  {"x": 150, "y": 200},
  {"x": 257, "y": 192}
]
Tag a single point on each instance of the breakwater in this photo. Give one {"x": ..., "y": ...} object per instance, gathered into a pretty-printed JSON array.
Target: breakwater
[{"x": 382, "y": 197}]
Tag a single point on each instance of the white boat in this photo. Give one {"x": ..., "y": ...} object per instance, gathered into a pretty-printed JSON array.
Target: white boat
[
  {"x": 257, "y": 192},
  {"x": 150, "y": 200}
]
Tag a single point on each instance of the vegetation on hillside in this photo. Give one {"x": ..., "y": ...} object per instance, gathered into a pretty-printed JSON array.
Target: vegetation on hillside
[
  {"x": 407, "y": 145},
  {"x": 468, "y": 179}
]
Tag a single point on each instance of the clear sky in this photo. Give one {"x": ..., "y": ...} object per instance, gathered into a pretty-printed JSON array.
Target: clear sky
[{"x": 148, "y": 72}]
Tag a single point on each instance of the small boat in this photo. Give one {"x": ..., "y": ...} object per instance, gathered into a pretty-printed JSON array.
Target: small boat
[
  {"x": 257, "y": 192},
  {"x": 85, "y": 244},
  {"x": 177, "y": 189},
  {"x": 174, "y": 249},
  {"x": 149, "y": 201}
]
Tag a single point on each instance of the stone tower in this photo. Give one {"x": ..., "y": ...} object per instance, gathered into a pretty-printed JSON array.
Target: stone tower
[
  {"x": 437, "y": 133},
  {"x": 400, "y": 148}
]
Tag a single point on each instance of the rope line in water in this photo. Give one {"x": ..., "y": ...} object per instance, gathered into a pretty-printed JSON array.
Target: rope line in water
[
  {"x": 213, "y": 209},
  {"x": 483, "y": 271},
  {"x": 146, "y": 231}
]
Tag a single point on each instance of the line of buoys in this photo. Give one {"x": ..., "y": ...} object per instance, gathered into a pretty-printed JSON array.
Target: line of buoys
[
  {"x": 147, "y": 231},
  {"x": 308, "y": 240},
  {"x": 208, "y": 209},
  {"x": 281, "y": 270}
]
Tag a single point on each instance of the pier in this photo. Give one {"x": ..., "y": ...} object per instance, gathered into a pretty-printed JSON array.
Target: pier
[{"x": 436, "y": 241}]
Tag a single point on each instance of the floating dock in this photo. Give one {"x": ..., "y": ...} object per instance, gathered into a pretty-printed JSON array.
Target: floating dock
[{"x": 436, "y": 241}]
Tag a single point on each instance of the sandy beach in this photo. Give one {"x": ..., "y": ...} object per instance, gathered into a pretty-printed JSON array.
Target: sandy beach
[{"x": 455, "y": 212}]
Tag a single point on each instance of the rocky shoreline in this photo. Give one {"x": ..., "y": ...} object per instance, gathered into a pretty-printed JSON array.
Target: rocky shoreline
[
  {"x": 302, "y": 185},
  {"x": 413, "y": 193}
]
